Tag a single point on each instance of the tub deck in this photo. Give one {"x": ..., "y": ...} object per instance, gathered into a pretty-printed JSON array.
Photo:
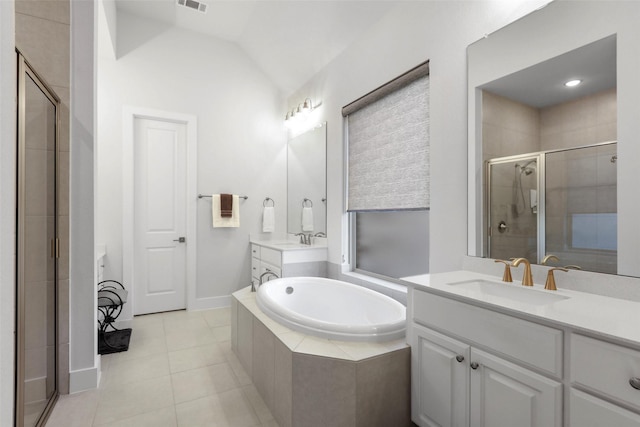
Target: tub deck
[{"x": 310, "y": 381}]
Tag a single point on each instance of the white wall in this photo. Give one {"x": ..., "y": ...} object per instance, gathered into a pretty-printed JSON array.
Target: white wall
[
  {"x": 7, "y": 210},
  {"x": 410, "y": 34},
  {"x": 82, "y": 278},
  {"x": 241, "y": 140}
]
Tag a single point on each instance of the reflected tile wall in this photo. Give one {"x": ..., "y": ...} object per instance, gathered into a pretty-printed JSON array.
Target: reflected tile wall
[
  {"x": 587, "y": 120},
  {"x": 508, "y": 127}
]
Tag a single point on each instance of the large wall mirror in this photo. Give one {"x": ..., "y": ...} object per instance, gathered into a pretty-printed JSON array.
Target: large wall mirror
[
  {"x": 551, "y": 165},
  {"x": 307, "y": 182}
]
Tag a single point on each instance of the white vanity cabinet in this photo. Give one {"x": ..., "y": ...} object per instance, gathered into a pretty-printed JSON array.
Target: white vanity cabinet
[
  {"x": 460, "y": 373},
  {"x": 264, "y": 259},
  {"x": 440, "y": 379},
  {"x": 607, "y": 370},
  {"x": 287, "y": 259}
]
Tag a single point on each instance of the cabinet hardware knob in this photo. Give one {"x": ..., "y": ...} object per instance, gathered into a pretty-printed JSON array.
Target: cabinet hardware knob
[
  {"x": 635, "y": 383},
  {"x": 459, "y": 358},
  {"x": 474, "y": 365}
]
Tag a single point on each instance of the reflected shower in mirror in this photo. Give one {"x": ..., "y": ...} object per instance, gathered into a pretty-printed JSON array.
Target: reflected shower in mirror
[
  {"x": 573, "y": 204},
  {"x": 306, "y": 182}
]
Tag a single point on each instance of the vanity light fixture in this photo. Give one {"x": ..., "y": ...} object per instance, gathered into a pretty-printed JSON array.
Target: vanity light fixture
[
  {"x": 298, "y": 114},
  {"x": 572, "y": 83}
]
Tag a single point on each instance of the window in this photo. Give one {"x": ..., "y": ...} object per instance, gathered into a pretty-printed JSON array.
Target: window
[{"x": 388, "y": 177}]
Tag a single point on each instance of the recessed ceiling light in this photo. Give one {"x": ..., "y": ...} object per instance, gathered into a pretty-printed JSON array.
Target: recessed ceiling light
[{"x": 572, "y": 83}]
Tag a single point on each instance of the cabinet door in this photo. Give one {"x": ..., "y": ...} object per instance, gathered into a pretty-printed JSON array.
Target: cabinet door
[
  {"x": 440, "y": 380},
  {"x": 589, "y": 411},
  {"x": 507, "y": 395}
]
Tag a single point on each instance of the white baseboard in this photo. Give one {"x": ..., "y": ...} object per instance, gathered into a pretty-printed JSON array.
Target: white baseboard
[
  {"x": 83, "y": 379},
  {"x": 209, "y": 303}
]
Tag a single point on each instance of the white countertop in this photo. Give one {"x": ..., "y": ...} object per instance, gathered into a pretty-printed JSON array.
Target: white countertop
[
  {"x": 611, "y": 317},
  {"x": 289, "y": 245}
]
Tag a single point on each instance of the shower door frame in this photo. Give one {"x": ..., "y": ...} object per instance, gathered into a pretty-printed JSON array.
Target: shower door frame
[
  {"x": 539, "y": 156},
  {"x": 24, "y": 69}
]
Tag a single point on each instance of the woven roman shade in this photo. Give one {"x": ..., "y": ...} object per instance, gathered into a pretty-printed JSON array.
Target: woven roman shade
[{"x": 388, "y": 146}]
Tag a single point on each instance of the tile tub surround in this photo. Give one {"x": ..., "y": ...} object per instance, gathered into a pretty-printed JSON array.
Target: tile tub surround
[{"x": 309, "y": 381}]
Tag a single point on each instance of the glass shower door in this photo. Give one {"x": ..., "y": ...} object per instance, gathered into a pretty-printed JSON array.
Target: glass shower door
[
  {"x": 581, "y": 207},
  {"x": 37, "y": 249},
  {"x": 513, "y": 208}
]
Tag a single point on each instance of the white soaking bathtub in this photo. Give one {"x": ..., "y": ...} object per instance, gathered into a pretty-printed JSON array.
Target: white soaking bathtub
[{"x": 332, "y": 309}]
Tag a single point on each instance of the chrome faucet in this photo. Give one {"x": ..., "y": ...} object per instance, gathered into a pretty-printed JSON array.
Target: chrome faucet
[
  {"x": 305, "y": 239},
  {"x": 265, "y": 274},
  {"x": 261, "y": 280},
  {"x": 527, "y": 277}
]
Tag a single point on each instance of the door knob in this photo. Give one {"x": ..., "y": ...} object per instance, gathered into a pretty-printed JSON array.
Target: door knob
[
  {"x": 460, "y": 358},
  {"x": 474, "y": 365},
  {"x": 180, "y": 239}
]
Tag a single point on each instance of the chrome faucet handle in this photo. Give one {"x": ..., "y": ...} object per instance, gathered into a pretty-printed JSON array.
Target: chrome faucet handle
[
  {"x": 506, "y": 276},
  {"x": 301, "y": 237},
  {"x": 573, "y": 267},
  {"x": 527, "y": 277},
  {"x": 253, "y": 286},
  {"x": 550, "y": 284}
]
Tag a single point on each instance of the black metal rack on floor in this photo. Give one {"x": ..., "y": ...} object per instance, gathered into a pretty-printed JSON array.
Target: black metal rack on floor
[{"x": 111, "y": 297}]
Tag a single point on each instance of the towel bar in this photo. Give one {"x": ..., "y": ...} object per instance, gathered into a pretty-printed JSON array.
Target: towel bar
[{"x": 200, "y": 196}]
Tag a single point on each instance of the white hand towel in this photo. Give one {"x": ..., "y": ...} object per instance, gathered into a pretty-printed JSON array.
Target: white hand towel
[
  {"x": 218, "y": 221},
  {"x": 268, "y": 219},
  {"x": 307, "y": 219}
]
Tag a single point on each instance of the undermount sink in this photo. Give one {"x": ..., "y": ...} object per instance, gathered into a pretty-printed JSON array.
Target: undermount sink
[{"x": 513, "y": 292}]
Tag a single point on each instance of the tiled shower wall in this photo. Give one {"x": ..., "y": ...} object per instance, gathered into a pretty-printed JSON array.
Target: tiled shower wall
[
  {"x": 43, "y": 37},
  {"x": 588, "y": 120},
  {"x": 510, "y": 128}
]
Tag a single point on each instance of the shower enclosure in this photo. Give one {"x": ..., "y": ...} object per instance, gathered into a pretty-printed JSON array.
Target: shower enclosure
[
  {"x": 560, "y": 202},
  {"x": 37, "y": 250}
]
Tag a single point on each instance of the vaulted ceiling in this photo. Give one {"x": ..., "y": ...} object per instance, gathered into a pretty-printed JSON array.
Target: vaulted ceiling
[{"x": 290, "y": 40}]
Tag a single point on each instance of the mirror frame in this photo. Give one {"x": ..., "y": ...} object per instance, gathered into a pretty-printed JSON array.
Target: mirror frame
[{"x": 566, "y": 26}]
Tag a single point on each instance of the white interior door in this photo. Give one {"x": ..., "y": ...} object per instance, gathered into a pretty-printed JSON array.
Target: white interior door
[{"x": 159, "y": 264}]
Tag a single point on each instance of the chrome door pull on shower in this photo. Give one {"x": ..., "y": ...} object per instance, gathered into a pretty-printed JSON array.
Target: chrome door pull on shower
[{"x": 180, "y": 239}]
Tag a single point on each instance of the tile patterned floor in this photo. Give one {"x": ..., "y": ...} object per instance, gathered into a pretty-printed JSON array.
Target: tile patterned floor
[{"x": 179, "y": 372}]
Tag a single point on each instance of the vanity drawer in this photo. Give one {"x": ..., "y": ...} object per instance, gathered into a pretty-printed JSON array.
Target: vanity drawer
[
  {"x": 255, "y": 267},
  {"x": 535, "y": 345},
  {"x": 255, "y": 251},
  {"x": 271, "y": 256},
  {"x": 605, "y": 368}
]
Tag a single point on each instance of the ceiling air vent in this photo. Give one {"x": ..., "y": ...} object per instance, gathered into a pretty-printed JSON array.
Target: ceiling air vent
[{"x": 193, "y": 4}]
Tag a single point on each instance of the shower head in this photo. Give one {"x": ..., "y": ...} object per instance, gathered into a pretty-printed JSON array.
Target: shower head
[{"x": 525, "y": 168}]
